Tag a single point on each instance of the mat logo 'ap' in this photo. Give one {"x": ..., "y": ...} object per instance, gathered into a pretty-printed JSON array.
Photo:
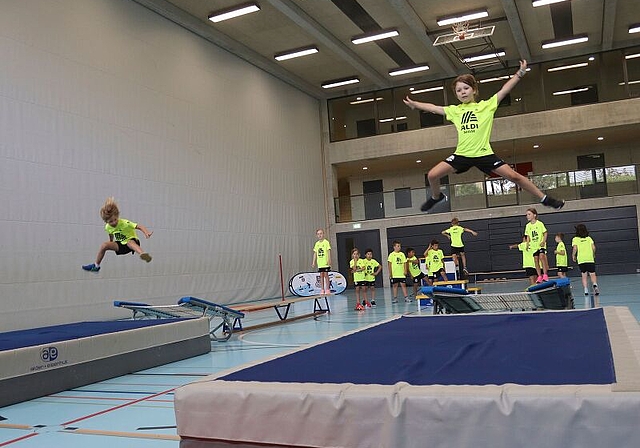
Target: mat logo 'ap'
[{"x": 49, "y": 354}]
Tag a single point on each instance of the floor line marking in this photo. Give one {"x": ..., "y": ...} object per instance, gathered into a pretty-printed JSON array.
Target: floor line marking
[
  {"x": 95, "y": 414},
  {"x": 8, "y": 442}
]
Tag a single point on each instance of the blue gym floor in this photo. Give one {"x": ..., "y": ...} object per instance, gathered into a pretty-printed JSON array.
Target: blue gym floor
[{"x": 137, "y": 410}]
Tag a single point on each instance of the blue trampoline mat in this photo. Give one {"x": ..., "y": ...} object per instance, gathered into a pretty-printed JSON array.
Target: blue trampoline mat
[
  {"x": 531, "y": 348},
  {"x": 44, "y": 335}
]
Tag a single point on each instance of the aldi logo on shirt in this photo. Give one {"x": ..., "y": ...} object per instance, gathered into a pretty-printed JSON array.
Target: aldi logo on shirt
[{"x": 469, "y": 122}]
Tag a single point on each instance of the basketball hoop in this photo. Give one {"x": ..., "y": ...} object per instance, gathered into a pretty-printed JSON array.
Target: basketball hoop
[{"x": 460, "y": 29}]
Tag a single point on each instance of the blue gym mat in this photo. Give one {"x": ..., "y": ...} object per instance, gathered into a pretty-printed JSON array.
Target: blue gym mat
[
  {"x": 45, "y": 335},
  {"x": 531, "y": 348}
]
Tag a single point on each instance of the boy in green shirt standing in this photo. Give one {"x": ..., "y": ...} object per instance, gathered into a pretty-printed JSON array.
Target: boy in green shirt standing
[
  {"x": 397, "y": 263},
  {"x": 562, "y": 263},
  {"x": 584, "y": 252}
]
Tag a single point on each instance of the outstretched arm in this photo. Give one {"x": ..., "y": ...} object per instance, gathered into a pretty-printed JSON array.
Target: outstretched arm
[
  {"x": 427, "y": 107},
  {"x": 509, "y": 85},
  {"x": 472, "y": 232},
  {"x": 144, "y": 231}
]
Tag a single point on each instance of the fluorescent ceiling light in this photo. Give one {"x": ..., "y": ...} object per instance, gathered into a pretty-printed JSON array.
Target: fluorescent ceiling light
[
  {"x": 406, "y": 70},
  {"x": 430, "y": 89},
  {"x": 560, "y": 43},
  {"x": 630, "y": 82},
  {"x": 634, "y": 28},
  {"x": 296, "y": 53},
  {"x": 368, "y": 100},
  {"x": 565, "y": 92},
  {"x": 235, "y": 11},
  {"x": 482, "y": 57},
  {"x": 340, "y": 82},
  {"x": 385, "y": 120},
  {"x": 632, "y": 56},
  {"x": 370, "y": 37},
  {"x": 497, "y": 78},
  {"x": 567, "y": 67},
  {"x": 465, "y": 17},
  {"x": 537, "y": 3}
]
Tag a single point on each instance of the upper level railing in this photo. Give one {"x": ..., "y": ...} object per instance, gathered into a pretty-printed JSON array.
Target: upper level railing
[
  {"x": 498, "y": 192},
  {"x": 603, "y": 77}
]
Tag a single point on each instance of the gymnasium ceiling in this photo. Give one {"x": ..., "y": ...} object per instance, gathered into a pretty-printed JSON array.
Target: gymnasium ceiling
[{"x": 329, "y": 25}]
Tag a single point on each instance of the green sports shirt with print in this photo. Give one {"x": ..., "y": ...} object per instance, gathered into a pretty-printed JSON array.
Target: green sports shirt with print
[
  {"x": 398, "y": 262},
  {"x": 370, "y": 268},
  {"x": 585, "y": 249},
  {"x": 474, "y": 122},
  {"x": 527, "y": 256},
  {"x": 358, "y": 275},
  {"x": 561, "y": 260},
  {"x": 435, "y": 260},
  {"x": 414, "y": 269},
  {"x": 322, "y": 248},
  {"x": 455, "y": 232},
  {"x": 535, "y": 233},
  {"x": 124, "y": 231}
]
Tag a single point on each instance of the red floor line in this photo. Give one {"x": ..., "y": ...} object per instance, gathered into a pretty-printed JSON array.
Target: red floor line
[
  {"x": 95, "y": 414},
  {"x": 8, "y": 442}
]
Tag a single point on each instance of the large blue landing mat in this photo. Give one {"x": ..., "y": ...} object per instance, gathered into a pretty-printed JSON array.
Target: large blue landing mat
[
  {"x": 554, "y": 348},
  {"x": 47, "y": 335}
]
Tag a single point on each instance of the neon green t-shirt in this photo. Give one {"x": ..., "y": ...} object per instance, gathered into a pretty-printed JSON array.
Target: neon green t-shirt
[
  {"x": 474, "y": 122},
  {"x": 535, "y": 233},
  {"x": 322, "y": 248},
  {"x": 455, "y": 232},
  {"x": 370, "y": 266},
  {"x": 435, "y": 260},
  {"x": 398, "y": 261},
  {"x": 358, "y": 276},
  {"x": 527, "y": 256},
  {"x": 585, "y": 249},
  {"x": 414, "y": 269},
  {"x": 124, "y": 231},
  {"x": 561, "y": 260}
]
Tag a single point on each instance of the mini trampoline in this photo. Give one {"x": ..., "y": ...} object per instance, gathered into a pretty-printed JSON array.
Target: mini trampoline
[{"x": 466, "y": 380}]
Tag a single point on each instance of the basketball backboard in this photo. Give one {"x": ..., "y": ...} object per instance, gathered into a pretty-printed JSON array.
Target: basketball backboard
[{"x": 485, "y": 31}]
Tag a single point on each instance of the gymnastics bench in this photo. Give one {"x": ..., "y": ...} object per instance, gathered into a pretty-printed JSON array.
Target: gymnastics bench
[
  {"x": 462, "y": 284},
  {"x": 282, "y": 307},
  {"x": 550, "y": 295},
  {"x": 191, "y": 307}
]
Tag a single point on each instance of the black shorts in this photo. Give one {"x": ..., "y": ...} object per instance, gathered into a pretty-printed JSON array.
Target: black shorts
[
  {"x": 362, "y": 283},
  {"x": 325, "y": 269},
  {"x": 542, "y": 250},
  {"x": 457, "y": 250},
  {"x": 587, "y": 267},
  {"x": 563, "y": 269},
  {"x": 486, "y": 164},
  {"x": 123, "y": 249},
  {"x": 434, "y": 275},
  {"x": 531, "y": 272},
  {"x": 372, "y": 284},
  {"x": 416, "y": 280},
  {"x": 398, "y": 280}
]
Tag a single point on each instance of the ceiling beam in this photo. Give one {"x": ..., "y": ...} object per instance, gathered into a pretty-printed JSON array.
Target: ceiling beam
[
  {"x": 315, "y": 29},
  {"x": 608, "y": 23},
  {"x": 513, "y": 18},
  {"x": 211, "y": 34},
  {"x": 419, "y": 29}
]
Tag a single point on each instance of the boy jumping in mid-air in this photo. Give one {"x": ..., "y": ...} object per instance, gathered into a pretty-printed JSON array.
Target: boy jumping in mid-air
[{"x": 122, "y": 236}]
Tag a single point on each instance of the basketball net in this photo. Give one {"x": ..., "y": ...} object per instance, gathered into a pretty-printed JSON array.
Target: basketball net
[{"x": 460, "y": 29}]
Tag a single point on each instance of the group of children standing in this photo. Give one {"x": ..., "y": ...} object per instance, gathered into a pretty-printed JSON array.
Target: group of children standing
[{"x": 534, "y": 253}]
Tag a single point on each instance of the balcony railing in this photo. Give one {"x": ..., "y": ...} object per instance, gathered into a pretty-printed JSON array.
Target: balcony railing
[{"x": 498, "y": 192}]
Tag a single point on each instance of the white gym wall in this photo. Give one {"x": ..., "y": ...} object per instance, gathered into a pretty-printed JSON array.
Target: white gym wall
[{"x": 220, "y": 160}]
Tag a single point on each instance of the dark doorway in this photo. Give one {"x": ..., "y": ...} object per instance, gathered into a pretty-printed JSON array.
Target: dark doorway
[
  {"x": 363, "y": 240},
  {"x": 373, "y": 199},
  {"x": 591, "y": 176}
]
